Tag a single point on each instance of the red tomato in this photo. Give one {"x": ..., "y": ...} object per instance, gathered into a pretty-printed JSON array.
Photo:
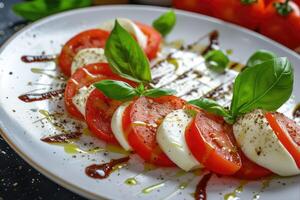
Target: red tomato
[
  {"x": 282, "y": 28},
  {"x": 247, "y": 15},
  {"x": 86, "y": 39},
  {"x": 84, "y": 76},
  {"x": 99, "y": 112},
  {"x": 141, "y": 120},
  {"x": 200, "y": 6},
  {"x": 211, "y": 141},
  {"x": 269, "y": 1},
  {"x": 154, "y": 40},
  {"x": 250, "y": 170},
  {"x": 288, "y": 132}
]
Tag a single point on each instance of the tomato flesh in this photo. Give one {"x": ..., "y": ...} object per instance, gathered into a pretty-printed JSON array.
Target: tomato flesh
[
  {"x": 250, "y": 170},
  {"x": 140, "y": 123},
  {"x": 288, "y": 133},
  {"x": 212, "y": 143},
  {"x": 84, "y": 76},
  {"x": 94, "y": 38}
]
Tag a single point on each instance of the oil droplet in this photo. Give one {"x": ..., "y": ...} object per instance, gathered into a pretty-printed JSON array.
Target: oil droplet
[
  {"x": 149, "y": 167},
  {"x": 73, "y": 148},
  {"x": 131, "y": 181},
  {"x": 180, "y": 173},
  {"x": 197, "y": 172},
  {"x": 151, "y": 188},
  {"x": 174, "y": 62},
  {"x": 116, "y": 149},
  {"x": 86, "y": 132},
  {"x": 238, "y": 190},
  {"x": 183, "y": 185}
]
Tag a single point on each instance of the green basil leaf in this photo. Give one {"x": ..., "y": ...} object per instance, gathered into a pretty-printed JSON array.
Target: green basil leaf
[
  {"x": 165, "y": 23},
  {"x": 260, "y": 57},
  {"x": 216, "y": 60},
  {"x": 158, "y": 92},
  {"x": 211, "y": 106},
  {"x": 118, "y": 90},
  {"x": 267, "y": 85},
  {"x": 126, "y": 57},
  {"x": 36, "y": 9}
]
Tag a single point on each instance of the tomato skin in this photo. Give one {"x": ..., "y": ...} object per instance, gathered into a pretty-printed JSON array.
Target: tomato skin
[
  {"x": 236, "y": 12},
  {"x": 283, "y": 29},
  {"x": 212, "y": 143},
  {"x": 142, "y": 138},
  {"x": 200, "y": 6},
  {"x": 154, "y": 40},
  {"x": 84, "y": 77},
  {"x": 250, "y": 170},
  {"x": 93, "y": 38},
  {"x": 288, "y": 133}
]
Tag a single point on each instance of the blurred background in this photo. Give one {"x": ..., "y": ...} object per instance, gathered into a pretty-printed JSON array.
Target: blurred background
[{"x": 277, "y": 19}]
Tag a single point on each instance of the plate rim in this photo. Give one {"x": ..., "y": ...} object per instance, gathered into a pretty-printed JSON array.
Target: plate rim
[{"x": 56, "y": 179}]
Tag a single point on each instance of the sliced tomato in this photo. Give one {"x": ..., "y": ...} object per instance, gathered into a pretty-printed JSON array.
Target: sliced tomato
[
  {"x": 154, "y": 40},
  {"x": 140, "y": 122},
  {"x": 94, "y": 38},
  {"x": 212, "y": 143},
  {"x": 84, "y": 76},
  {"x": 250, "y": 170},
  {"x": 288, "y": 133},
  {"x": 99, "y": 112}
]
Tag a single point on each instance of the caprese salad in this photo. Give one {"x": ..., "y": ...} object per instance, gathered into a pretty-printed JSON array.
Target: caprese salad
[{"x": 110, "y": 86}]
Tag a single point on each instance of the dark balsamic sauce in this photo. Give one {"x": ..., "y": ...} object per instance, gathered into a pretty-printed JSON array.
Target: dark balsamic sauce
[
  {"x": 31, "y": 97},
  {"x": 104, "y": 170},
  {"x": 296, "y": 113},
  {"x": 39, "y": 58},
  {"x": 213, "y": 42},
  {"x": 62, "y": 138},
  {"x": 200, "y": 193}
]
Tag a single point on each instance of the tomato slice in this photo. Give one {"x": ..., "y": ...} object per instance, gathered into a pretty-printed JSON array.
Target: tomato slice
[
  {"x": 140, "y": 123},
  {"x": 250, "y": 170},
  {"x": 212, "y": 143},
  {"x": 84, "y": 76},
  {"x": 154, "y": 40},
  {"x": 94, "y": 38},
  {"x": 288, "y": 133},
  {"x": 99, "y": 112}
]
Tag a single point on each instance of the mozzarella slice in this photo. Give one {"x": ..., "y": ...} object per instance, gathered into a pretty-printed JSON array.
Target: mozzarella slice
[
  {"x": 261, "y": 145},
  {"x": 117, "y": 127},
  {"x": 79, "y": 100},
  {"x": 171, "y": 139},
  {"x": 87, "y": 56},
  {"x": 129, "y": 26}
]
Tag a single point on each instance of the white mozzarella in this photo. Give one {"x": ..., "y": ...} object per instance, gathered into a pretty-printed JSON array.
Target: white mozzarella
[
  {"x": 117, "y": 127},
  {"x": 171, "y": 139},
  {"x": 87, "y": 56},
  {"x": 129, "y": 26},
  {"x": 261, "y": 145},
  {"x": 79, "y": 100}
]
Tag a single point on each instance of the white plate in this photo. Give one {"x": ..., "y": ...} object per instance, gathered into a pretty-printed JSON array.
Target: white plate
[{"x": 24, "y": 136}]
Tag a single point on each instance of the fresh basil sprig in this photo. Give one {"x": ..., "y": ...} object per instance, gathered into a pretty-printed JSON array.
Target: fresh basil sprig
[
  {"x": 36, "y": 9},
  {"x": 216, "y": 60},
  {"x": 122, "y": 91},
  {"x": 260, "y": 56},
  {"x": 126, "y": 57},
  {"x": 165, "y": 23},
  {"x": 266, "y": 85}
]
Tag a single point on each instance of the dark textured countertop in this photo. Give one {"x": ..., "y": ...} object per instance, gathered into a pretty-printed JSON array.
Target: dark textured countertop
[{"x": 18, "y": 180}]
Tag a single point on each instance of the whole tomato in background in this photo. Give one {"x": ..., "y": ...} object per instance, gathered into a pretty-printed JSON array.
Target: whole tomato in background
[
  {"x": 281, "y": 22},
  {"x": 200, "y": 6},
  {"x": 269, "y": 1},
  {"x": 247, "y": 13}
]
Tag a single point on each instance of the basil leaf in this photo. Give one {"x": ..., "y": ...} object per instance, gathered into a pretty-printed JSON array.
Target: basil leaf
[
  {"x": 118, "y": 90},
  {"x": 216, "y": 60},
  {"x": 260, "y": 57},
  {"x": 212, "y": 107},
  {"x": 267, "y": 85},
  {"x": 126, "y": 57},
  {"x": 157, "y": 92},
  {"x": 36, "y": 9},
  {"x": 165, "y": 23}
]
